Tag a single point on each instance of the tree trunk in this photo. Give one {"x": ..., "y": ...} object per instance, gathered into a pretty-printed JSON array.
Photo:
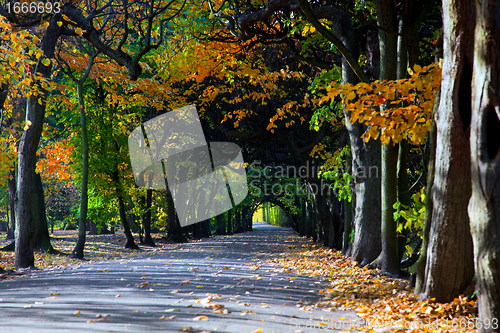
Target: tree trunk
[
  {"x": 41, "y": 239},
  {"x": 403, "y": 194},
  {"x": 174, "y": 229},
  {"x": 347, "y": 206},
  {"x": 229, "y": 222},
  {"x": 365, "y": 158},
  {"x": 449, "y": 235},
  {"x": 429, "y": 205},
  {"x": 484, "y": 206},
  {"x": 146, "y": 218},
  {"x": 366, "y": 196},
  {"x": 26, "y": 203},
  {"x": 303, "y": 218},
  {"x": 126, "y": 226},
  {"x": 220, "y": 224},
  {"x": 12, "y": 205},
  {"x": 82, "y": 222},
  {"x": 92, "y": 227},
  {"x": 329, "y": 219},
  {"x": 388, "y": 259}
]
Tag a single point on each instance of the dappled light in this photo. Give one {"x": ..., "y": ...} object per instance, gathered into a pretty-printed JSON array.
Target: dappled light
[{"x": 250, "y": 166}]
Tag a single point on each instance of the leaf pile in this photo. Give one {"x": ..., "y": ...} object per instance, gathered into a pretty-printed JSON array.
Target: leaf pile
[{"x": 381, "y": 301}]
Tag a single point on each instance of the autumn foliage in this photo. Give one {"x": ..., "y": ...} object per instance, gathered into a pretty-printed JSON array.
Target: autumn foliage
[{"x": 408, "y": 104}]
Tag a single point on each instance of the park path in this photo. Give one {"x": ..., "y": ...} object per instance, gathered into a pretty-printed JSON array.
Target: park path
[{"x": 220, "y": 284}]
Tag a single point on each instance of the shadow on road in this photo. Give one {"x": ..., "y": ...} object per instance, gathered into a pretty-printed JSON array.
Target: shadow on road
[{"x": 221, "y": 284}]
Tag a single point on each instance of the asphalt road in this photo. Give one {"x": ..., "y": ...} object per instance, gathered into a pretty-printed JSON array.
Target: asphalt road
[{"x": 222, "y": 284}]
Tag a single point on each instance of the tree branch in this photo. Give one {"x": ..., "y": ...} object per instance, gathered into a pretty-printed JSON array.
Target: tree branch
[{"x": 353, "y": 63}]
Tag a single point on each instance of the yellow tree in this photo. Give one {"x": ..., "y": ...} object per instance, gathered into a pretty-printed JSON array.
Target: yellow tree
[{"x": 95, "y": 23}]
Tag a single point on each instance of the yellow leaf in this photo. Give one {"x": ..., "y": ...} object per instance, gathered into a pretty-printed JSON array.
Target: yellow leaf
[
  {"x": 59, "y": 23},
  {"x": 416, "y": 68},
  {"x": 26, "y": 126},
  {"x": 257, "y": 331},
  {"x": 350, "y": 96},
  {"x": 79, "y": 31},
  {"x": 46, "y": 61},
  {"x": 200, "y": 318}
]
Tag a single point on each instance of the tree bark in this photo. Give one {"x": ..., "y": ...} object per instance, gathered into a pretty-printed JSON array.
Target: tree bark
[
  {"x": 327, "y": 217},
  {"x": 27, "y": 203},
  {"x": 403, "y": 193},
  {"x": 429, "y": 205},
  {"x": 449, "y": 234},
  {"x": 484, "y": 206},
  {"x": 41, "y": 240},
  {"x": 347, "y": 206},
  {"x": 146, "y": 219},
  {"x": 12, "y": 204},
  {"x": 84, "y": 201},
  {"x": 388, "y": 259},
  {"x": 365, "y": 158},
  {"x": 174, "y": 229},
  {"x": 126, "y": 226}
]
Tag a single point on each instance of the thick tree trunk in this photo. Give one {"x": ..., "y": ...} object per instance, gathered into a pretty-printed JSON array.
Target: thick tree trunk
[
  {"x": 365, "y": 166},
  {"x": 446, "y": 277},
  {"x": 484, "y": 206},
  {"x": 388, "y": 259},
  {"x": 41, "y": 239},
  {"x": 27, "y": 203},
  {"x": 366, "y": 169}
]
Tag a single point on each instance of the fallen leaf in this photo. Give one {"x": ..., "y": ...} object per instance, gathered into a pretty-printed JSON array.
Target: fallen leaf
[{"x": 168, "y": 317}]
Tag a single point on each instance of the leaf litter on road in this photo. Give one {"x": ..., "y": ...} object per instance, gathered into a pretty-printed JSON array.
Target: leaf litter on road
[{"x": 381, "y": 301}]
